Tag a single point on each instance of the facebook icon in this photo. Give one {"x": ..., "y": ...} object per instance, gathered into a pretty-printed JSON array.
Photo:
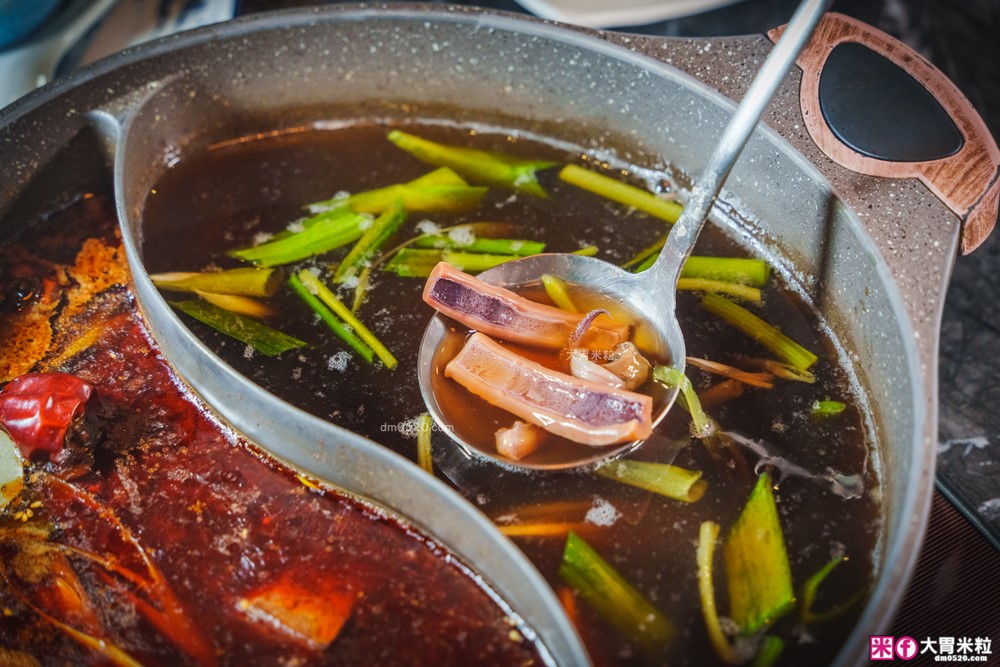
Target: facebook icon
[{"x": 906, "y": 648}]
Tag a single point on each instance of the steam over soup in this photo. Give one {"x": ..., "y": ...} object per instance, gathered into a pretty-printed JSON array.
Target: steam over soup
[{"x": 742, "y": 528}]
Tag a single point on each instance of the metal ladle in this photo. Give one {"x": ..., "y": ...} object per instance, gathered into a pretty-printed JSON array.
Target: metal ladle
[{"x": 649, "y": 295}]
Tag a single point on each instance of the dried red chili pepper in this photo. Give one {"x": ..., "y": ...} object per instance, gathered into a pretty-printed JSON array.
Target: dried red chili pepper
[{"x": 37, "y": 409}]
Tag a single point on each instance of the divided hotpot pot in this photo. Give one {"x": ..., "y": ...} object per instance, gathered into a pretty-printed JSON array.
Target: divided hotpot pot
[{"x": 863, "y": 216}]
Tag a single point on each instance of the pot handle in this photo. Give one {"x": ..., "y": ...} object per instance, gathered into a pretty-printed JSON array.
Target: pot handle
[{"x": 877, "y": 107}]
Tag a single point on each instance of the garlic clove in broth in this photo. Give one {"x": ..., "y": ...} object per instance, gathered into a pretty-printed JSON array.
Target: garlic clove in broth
[
  {"x": 520, "y": 440},
  {"x": 628, "y": 363}
]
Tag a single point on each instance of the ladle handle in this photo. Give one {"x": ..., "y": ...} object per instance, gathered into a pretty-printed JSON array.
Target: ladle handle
[{"x": 684, "y": 234}]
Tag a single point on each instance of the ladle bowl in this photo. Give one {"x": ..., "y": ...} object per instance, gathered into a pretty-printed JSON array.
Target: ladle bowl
[
  {"x": 642, "y": 295},
  {"x": 649, "y": 295}
]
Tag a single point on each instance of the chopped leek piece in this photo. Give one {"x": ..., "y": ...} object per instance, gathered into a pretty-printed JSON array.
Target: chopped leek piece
[
  {"x": 643, "y": 255},
  {"x": 413, "y": 263},
  {"x": 330, "y": 300},
  {"x": 321, "y": 217},
  {"x": 810, "y": 588},
  {"x": 586, "y": 251},
  {"x": 416, "y": 199},
  {"x": 260, "y": 337},
  {"x": 623, "y": 193},
  {"x": 408, "y": 262},
  {"x": 824, "y": 409},
  {"x": 371, "y": 241},
  {"x": 471, "y": 262},
  {"x": 423, "y": 199},
  {"x": 765, "y": 334},
  {"x": 387, "y": 195},
  {"x": 665, "y": 479},
  {"x": 472, "y": 228},
  {"x": 610, "y": 595},
  {"x": 708, "y": 533},
  {"x": 241, "y": 282},
  {"x": 556, "y": 289},
  {"x": 745, "y": 292},
  {"x": 333, "y": 231},
  {"x": 481, "y": 245},
  {"x": 418, "y": 263},
  {"x": 338, "y": 327},
  {"x": 757, "y": 571},
  {"x": 648, "y": 262},
  {"x": 483, "y": 166},
  {"x": 740, "y": 270},
  {"x": 361, "y": 289},
  {"x": 702, "y": 426},
  {"x": 425, "y": 426},
  {"x": 769, "y": 651},
  {"x": 243, "y": 305},
  {"x": 743, "y": 270},
  {"x": 440, "y": 176}
]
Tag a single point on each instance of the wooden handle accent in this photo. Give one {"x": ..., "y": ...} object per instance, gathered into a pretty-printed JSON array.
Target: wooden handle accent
[{"x": 968, "y": 182}]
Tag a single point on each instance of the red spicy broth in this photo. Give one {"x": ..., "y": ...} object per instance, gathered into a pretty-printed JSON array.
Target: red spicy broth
[
  {"x": 216, "y": 200},
  {"x": 258, "y": 565}
]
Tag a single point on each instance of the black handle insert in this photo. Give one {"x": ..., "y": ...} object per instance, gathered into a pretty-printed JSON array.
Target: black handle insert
[{"x": 877, "y": 109}]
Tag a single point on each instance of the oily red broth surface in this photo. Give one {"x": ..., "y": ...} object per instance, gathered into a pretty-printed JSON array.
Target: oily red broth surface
[
  {"x": 235, "y": 537},
  {"x": 221, "y": 199}
]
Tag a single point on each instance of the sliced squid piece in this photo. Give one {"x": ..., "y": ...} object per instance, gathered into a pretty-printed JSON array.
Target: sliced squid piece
[
  {"x": 586, "y": 412},
  {"x": 509, "y": 316},
  {"x": 520, "y": 440},
  {"x": 580, "y": 366}
]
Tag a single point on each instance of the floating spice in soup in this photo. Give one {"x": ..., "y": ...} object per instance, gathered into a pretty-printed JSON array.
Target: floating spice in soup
[{"x": 627, "y": 546}]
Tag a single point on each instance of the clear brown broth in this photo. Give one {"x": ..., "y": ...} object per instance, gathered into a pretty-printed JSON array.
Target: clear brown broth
[{"x": 216, "y": 200}]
